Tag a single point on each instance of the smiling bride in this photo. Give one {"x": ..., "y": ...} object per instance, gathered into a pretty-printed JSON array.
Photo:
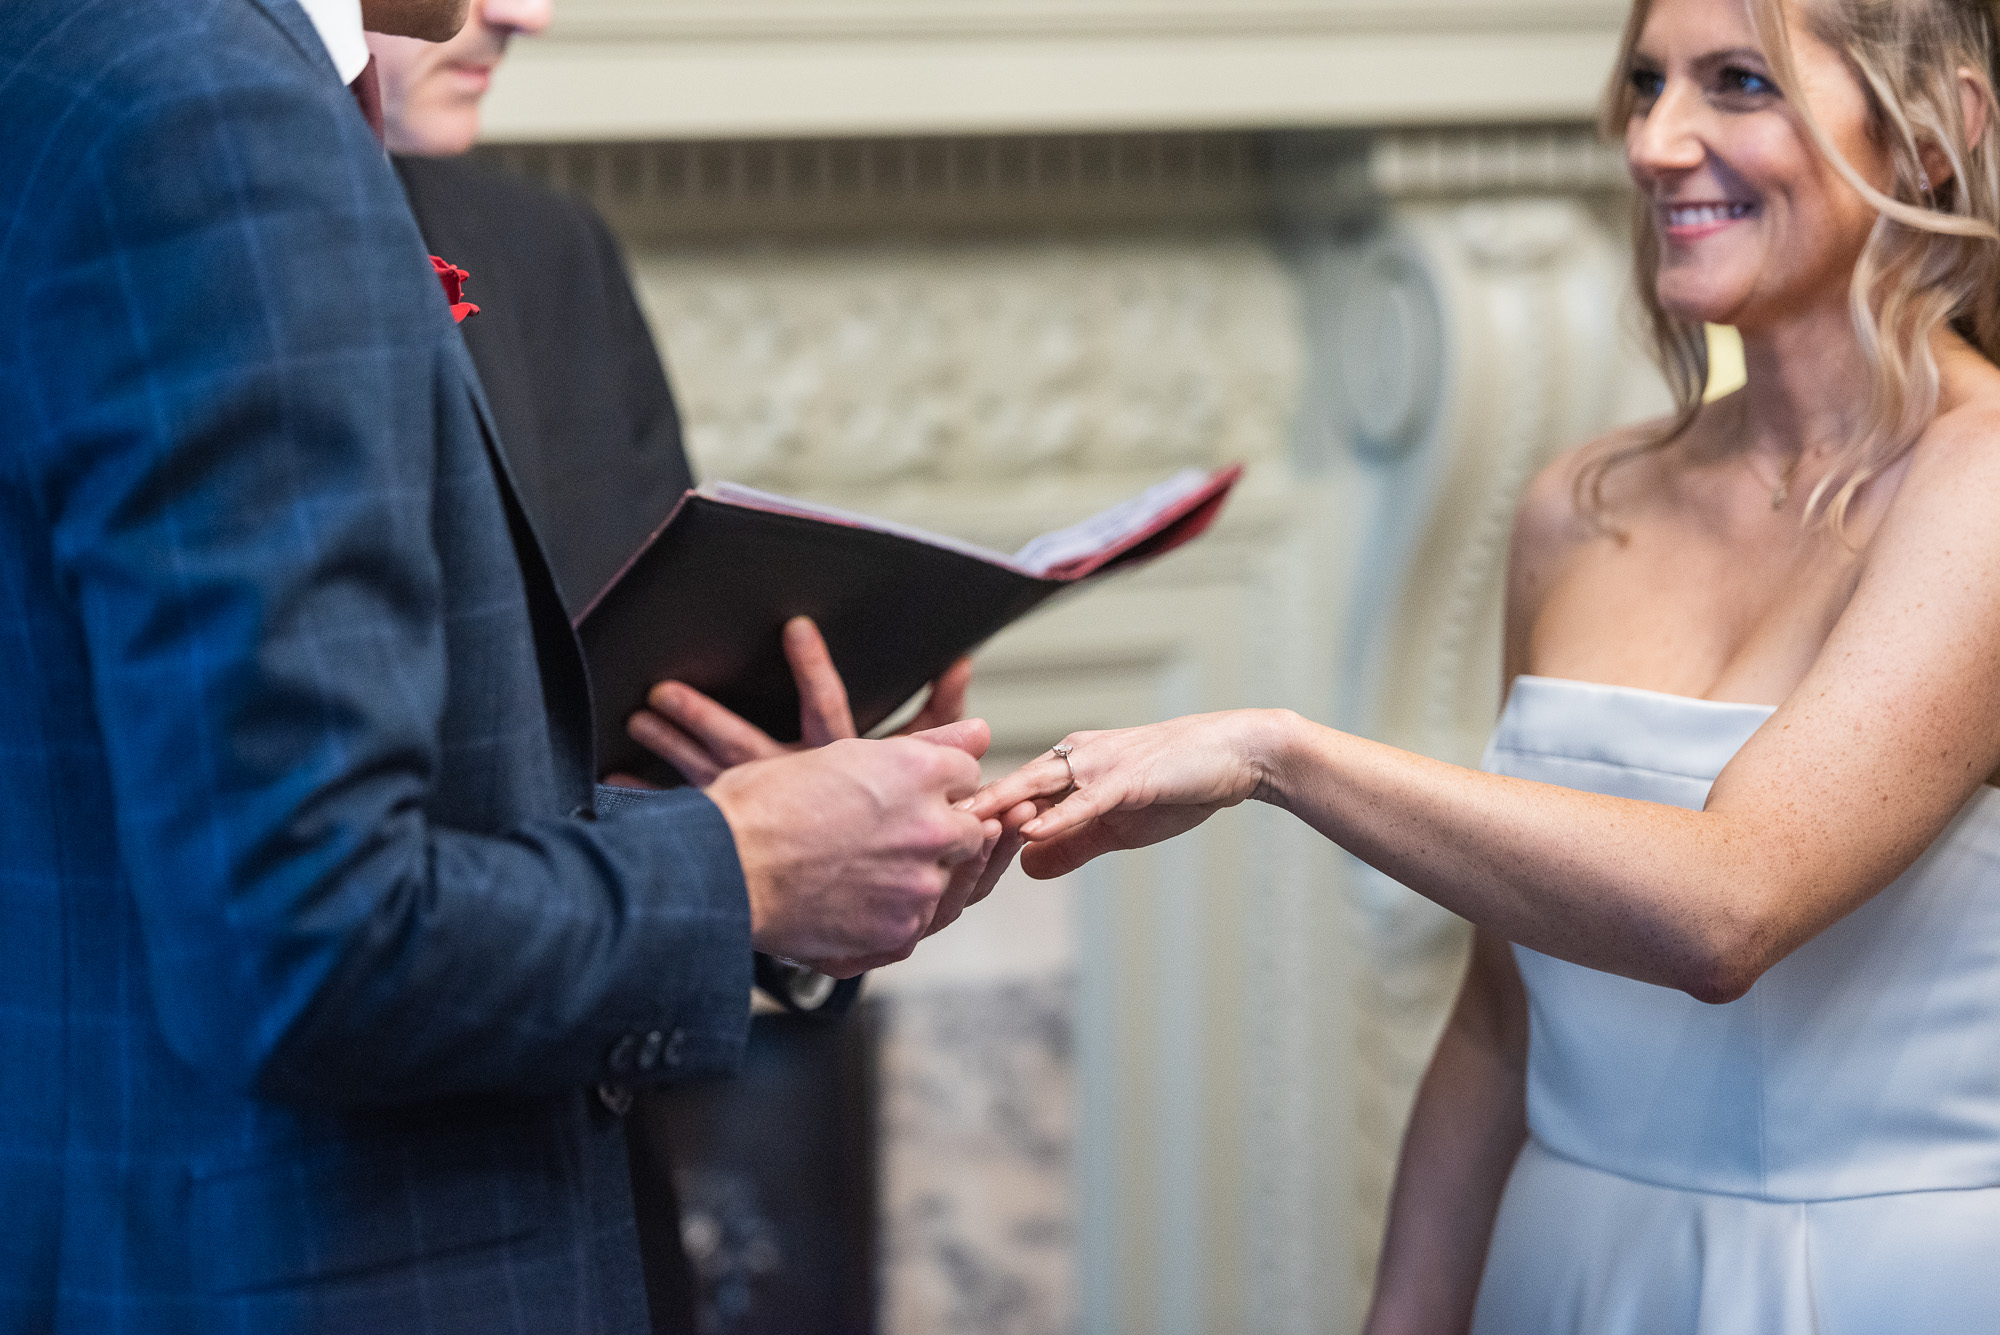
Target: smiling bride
[{"x": 1739, "y": 1068}]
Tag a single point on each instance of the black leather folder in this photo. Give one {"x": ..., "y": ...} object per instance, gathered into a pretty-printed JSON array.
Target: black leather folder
[{"x": 705, "y": 600}]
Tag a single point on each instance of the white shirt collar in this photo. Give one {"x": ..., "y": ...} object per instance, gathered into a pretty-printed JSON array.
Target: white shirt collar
[{"x": 339, "y": 25}]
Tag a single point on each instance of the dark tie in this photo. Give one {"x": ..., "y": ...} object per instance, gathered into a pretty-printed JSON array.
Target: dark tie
[{"x": 367, "y": 90}]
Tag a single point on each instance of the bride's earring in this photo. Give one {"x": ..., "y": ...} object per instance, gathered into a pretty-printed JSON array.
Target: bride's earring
[{"x": 1923, "y": 182}]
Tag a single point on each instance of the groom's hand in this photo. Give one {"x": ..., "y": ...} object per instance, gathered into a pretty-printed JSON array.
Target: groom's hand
[
  {"x": 973, "y": 879},
  {"x": 851, "y": 851}
]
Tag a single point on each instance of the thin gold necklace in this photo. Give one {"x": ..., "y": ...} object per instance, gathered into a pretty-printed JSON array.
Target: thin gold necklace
[{"x": 1783, "y": 489}]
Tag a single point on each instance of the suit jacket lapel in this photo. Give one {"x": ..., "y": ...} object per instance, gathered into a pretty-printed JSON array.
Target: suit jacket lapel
[{"x": 565, "y": 682}]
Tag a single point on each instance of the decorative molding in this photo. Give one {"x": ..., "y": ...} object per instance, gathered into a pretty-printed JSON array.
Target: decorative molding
[
  {"x": 1525, "y": 296},
  {"x": 674, "y": 192},
  {"x": 992, "y": 367},
  {"x": 1298, "y": 938},
  {"x": 1538, "y": 356},
  {"x": 1462, "y": 162},
  {"x": 1388, "y": 353}
]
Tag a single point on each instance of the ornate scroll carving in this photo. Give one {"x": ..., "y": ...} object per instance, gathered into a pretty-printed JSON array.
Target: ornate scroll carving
[
  {"x": 1530, "y": 356},
  {"x": 979, "y": 364}
]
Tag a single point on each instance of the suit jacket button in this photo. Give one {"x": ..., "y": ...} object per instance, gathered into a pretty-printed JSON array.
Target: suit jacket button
[
  {"x": 675, "y": 1042},
  {"x": 616, "y": 1098},
  {"x": 649, "y": 1051},
  {"x": 622, "y": 1054}
]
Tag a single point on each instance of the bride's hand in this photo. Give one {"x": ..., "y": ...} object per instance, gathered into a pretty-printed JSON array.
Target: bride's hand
[{"x": 1136, "y": 786}]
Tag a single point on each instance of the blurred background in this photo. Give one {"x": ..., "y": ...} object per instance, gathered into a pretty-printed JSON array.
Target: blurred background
[{"x": 987, "y": 266}]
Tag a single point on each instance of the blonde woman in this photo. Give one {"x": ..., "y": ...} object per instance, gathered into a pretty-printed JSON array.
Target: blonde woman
[{"x": 1741, "y": 1070}]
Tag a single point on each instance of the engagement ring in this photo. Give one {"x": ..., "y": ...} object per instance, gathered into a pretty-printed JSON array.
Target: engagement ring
[{"x": 1061, "y": 752}]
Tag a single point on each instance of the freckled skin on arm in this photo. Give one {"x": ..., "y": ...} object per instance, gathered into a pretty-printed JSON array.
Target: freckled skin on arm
[
  {"x": 1885, "y": 735},
  {"x": 1867, "y": 759},
  {"x": 1860, "y": 768}
]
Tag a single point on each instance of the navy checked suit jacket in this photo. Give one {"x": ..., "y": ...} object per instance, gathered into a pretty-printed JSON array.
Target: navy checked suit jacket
[{"x": 310, "y": 952}]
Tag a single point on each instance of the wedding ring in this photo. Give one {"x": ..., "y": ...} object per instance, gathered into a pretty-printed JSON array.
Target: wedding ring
[{"x": 1061, "y": 752}]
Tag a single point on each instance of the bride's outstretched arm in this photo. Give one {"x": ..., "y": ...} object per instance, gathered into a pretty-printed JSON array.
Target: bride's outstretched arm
[
  {"x": 1469, "y": 1123},
  {"x": 1861, "y": 767}
]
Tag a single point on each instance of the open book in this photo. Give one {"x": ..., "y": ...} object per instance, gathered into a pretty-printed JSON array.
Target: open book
[{"x": 704, "y": 600}]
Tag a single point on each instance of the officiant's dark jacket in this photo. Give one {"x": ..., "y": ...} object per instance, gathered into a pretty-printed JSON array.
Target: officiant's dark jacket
[
  {"x": 584, "y": 413},
  {"x": 316, "y": 977}
]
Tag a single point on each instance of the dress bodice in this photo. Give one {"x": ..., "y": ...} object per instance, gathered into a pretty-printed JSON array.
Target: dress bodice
[{"x": 1866, "y": 1062}]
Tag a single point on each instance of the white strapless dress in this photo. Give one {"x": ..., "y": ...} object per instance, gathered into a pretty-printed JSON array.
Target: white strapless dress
[{"x": 1821, "y": 1155}]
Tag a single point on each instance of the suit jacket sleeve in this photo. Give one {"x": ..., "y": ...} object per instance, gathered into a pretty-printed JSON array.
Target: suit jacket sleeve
[
  {"x": 586, "y": 418},
  {"x": 238, "y": 365}
]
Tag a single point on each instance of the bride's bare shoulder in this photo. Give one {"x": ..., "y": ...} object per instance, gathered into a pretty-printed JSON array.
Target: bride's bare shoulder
[
  {"x": 1968, "y": 419},
  {"x": 1948, "y": 485},
  {"x": 1570, "y": 501},
  {"x": 1558, "y": 517}
]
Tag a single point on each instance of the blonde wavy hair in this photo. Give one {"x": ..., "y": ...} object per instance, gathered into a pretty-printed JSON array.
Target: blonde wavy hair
[{"x": 1933, "y": 256}]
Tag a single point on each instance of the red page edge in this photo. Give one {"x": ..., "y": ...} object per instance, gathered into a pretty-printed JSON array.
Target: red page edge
[{"x": 1211, "y": 494}]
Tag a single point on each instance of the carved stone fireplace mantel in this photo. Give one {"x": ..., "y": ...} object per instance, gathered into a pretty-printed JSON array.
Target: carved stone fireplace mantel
[{"x": 986, "y": 265}]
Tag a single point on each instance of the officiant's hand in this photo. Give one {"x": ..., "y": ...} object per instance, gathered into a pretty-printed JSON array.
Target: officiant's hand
[
  {"x": 1133, "y": 787},
  {"x": 701, "y": 738}
]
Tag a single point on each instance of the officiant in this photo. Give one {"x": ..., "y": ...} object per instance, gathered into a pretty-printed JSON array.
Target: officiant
[
  {"x": 591, "y": 435},
  {"x": 584, "y": 411}
]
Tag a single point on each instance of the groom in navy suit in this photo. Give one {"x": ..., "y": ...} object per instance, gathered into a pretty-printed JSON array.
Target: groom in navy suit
[{"x": 324, "y": 969}]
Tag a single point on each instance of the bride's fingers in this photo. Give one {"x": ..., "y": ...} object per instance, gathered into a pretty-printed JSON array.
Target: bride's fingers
[
  {"x": 1014, "y": 817},
  {"x": 1059, "y": 856},
  {"x": 1079, "y": 808},
  {"x": 1044, "y": 778}
]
